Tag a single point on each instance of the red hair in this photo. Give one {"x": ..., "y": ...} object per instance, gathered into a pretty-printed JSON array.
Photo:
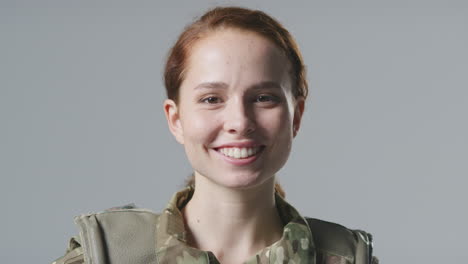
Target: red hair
[{"x": 233, "y": 17}]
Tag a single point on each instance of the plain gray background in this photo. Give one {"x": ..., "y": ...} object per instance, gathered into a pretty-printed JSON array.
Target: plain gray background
[{"x": 383, "y": 146}]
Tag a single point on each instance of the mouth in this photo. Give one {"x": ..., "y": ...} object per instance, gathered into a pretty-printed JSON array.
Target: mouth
[{"x": 240, "y": 152}]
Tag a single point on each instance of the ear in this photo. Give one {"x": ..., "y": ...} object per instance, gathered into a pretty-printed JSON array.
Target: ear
[
  {"x": 173, "y": 120},
  {"x": 298, "y": 111}
]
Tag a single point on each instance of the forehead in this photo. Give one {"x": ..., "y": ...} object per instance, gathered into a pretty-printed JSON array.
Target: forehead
[
  {"x": 233, "y": 53},
  {"x": 225, "y": 36}
]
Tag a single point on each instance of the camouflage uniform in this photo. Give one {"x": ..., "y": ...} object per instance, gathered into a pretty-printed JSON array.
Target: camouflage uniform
[{"x": 129, "y": 235}]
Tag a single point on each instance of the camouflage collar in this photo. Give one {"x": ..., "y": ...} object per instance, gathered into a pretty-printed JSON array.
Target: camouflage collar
[{"x": 295, "y": 246}]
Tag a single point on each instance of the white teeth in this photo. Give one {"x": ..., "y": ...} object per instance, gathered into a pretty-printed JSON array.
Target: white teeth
[
  {"x": 236, "y": 153},
  {"x": 239, "y": 153},
  {"x": 243, "y": 152},
  {"x": 250, "y": 152}
]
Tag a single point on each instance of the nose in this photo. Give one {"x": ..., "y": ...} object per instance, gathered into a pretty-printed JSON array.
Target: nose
[{"x": 239, "y": 118}]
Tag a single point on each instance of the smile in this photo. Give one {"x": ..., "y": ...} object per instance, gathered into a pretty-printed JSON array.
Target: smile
[{"x": 239, "y": 153}]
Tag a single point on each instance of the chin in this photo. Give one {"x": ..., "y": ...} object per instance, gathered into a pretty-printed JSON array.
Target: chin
[{"x": 242, "y": 181}]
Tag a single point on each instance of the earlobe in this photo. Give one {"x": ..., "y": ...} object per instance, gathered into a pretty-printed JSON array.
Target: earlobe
[
  {"x": 298, "y": 112},
  {"x": 173, "y": 120}
]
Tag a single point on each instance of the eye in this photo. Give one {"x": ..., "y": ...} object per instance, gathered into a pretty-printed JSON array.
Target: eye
[
  {"x": 264, "y": 98},
  {"x": 211, "y": 100}
]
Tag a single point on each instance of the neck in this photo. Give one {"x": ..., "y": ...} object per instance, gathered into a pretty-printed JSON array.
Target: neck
[{"x": 246, "y": 219}]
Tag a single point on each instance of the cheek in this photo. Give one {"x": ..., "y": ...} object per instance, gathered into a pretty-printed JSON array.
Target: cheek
[
  {"x": 275, "y": 122},
  {"x": 199, "y": 127}
]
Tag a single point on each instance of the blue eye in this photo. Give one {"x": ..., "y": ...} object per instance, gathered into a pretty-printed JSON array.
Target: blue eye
[{"x": 211, "y": 100}]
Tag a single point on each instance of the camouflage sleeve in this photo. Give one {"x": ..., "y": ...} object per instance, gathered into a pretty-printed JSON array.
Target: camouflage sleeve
[{"x": 74, "y": 254}]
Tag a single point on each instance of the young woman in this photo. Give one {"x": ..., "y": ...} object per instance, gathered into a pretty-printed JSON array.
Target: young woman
[{"x": 236, "y": 90}]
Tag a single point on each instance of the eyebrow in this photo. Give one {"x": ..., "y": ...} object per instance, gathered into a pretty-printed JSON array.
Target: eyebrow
[
  {"x": 211, "y": 85},
  {"x": 223, "y": 85},
  {"x": 266, "y": 85}
]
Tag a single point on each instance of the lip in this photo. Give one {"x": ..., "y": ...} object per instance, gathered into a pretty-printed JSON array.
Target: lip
[
  {"x": 245, "y": 144},
  {"x": 240, "y": 162}
]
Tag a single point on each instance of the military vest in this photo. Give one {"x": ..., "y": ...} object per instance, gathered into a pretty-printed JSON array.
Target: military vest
[{"x": 139, "y": 236}]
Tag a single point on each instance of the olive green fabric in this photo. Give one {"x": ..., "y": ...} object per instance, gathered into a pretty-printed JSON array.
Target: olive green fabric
[
  {"x": 296, "y": 244},
  {"x": 139, "y": 236}
]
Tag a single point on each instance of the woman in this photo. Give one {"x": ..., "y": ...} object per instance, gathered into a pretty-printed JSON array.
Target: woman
[{"x": 236, "y": 89}]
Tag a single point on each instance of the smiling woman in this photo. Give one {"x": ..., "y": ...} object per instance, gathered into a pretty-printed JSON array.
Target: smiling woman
[
  {"x": 236, "y": 89},
  {"x": 236, "y": 94}
]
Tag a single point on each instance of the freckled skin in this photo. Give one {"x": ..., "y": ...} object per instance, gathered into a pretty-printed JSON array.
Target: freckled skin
[{"x": 241, "y": 60}]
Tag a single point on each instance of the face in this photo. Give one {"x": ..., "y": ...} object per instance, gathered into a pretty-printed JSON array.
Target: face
[{"x": 236, "y": 115}]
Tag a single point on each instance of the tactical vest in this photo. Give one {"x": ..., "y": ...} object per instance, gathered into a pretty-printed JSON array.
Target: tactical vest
[{"x": 127, "y": 235}]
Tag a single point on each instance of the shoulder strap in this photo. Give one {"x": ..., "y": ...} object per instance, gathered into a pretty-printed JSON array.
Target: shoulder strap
[
  {"x": 74, "y": 253},
  {"x": 117, "y": 236},
  {"x": 334, "y": 240},
  {"x": 363, "y": 247}
]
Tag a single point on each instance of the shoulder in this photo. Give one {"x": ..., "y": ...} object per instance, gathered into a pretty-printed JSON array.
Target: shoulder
[
  {"x": 333, "y": 239},
  {"x": 117, "y": 225},
  {"x": 74, "y": 253},
  {"x": 117, "y": 218}
]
